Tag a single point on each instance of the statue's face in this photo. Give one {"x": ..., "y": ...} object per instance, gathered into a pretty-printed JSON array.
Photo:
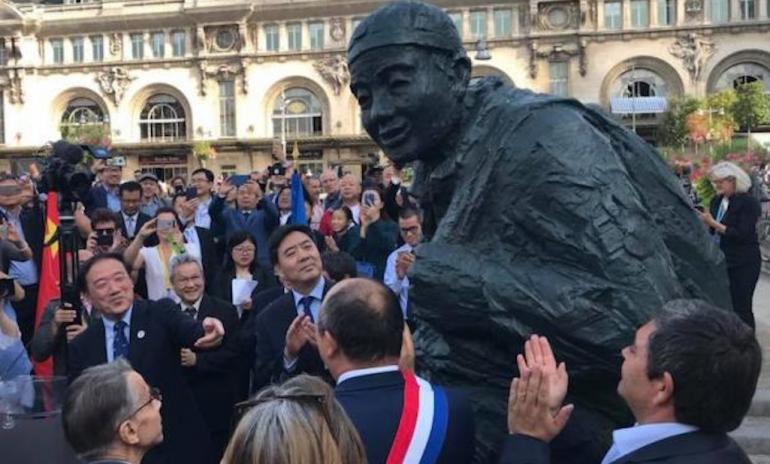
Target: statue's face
[{"x": 407, "y": 101}]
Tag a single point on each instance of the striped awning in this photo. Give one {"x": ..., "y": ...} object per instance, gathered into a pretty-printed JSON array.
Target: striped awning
[{"x": 638, "y": 105}]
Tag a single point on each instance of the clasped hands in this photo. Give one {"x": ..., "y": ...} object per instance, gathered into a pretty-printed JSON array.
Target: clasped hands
[{"x": 535, "y": 399}]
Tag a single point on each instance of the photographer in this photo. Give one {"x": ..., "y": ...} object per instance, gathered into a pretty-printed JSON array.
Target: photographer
[
  {"x": 378, "y": 233},
  {"x": 13, "y": 357}
]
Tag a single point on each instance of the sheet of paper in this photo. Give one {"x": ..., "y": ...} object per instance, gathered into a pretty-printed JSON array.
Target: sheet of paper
[{"x": 242, "y": 289}]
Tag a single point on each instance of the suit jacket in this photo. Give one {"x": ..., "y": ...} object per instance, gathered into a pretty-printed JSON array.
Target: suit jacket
[
  {"x": 689, "y": 448},
  {"x": 212, "y": 379},
  {"x": 260, "y": 224},
  {"x": 739, "y": 243},
  {"x": 141, "y": 218},
  {"x": 271, "y": 326},
  {"x": 374, "y": 403},
  {"x": 209, "y": 258},
  {"x": 158, "y": 330},
  {"x": 33, "y": 223}
]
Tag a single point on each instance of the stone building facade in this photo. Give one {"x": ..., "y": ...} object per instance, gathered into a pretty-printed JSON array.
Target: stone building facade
[{"x": 161, "y": 76}]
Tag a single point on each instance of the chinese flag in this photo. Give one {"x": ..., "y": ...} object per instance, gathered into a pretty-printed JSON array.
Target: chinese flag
[{"x": 49, "y": 272}]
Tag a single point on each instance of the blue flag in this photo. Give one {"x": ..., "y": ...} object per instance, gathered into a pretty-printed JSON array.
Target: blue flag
[{"x": 297, "y": 201}]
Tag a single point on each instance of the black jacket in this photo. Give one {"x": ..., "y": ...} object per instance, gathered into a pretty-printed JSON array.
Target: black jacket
[
  {"x": 375, "y": 402},
  {"x": 213, "y": 377},
  {"x": 141, "y": 218},
  {"x": 271, "y": 326},
  {"x": 739, "y": 242},
  {"x": 158, "y": 331}
]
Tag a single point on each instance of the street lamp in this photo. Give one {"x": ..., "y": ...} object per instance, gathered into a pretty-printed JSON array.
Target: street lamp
[{"x": 283, "y": 125}]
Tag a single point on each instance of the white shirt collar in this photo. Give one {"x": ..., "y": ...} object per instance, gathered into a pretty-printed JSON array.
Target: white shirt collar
[
  {"x": 368, "y": 371},
  {"x": 196, "y": 305}
]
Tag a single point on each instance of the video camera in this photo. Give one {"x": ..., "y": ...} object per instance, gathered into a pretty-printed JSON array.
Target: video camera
[{"x": 65, "y": 172}]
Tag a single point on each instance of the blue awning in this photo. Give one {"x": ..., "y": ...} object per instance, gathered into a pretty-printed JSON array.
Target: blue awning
[{"x": 638, "y": 105}]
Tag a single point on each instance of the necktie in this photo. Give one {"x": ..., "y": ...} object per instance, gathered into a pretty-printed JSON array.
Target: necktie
[
  {"x": 120, "y": 342},
  {"x": 130, "y": 226},
  {"x": 305, "y": 303},
  {"x": 191, "y": 311}
]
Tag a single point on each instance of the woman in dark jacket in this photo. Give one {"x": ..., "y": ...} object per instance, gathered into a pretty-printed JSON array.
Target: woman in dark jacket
[
  {"x": 732, "y": 218},
  {"x": 378, "y": 233},
  {"x": 346, "y": 235}
]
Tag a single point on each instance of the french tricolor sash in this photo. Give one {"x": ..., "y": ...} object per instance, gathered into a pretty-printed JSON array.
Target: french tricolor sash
[{"x": 422, "y": 429}]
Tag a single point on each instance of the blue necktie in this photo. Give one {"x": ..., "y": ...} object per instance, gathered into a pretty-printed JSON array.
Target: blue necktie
[
  {"x": 305, "y": 302},
  {"x": 120, "y": 343}
]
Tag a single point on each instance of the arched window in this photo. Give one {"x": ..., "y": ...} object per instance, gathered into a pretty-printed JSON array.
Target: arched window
[
  {"x": 163, "y": 119},
  {"x": 743, "y": 73},
  {"x": 301, "y": 111},
  {"x": 82, "y": 115},
  {"x": 639, "y": 89}
]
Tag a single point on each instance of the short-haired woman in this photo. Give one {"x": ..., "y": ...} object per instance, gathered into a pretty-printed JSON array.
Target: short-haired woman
[{"x": 732, "y": 219}]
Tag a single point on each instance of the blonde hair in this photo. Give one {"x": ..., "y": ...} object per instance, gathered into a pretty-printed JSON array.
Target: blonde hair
[
  {"x": 728, "y": 170},
  {"x": 298, "y": 422}
]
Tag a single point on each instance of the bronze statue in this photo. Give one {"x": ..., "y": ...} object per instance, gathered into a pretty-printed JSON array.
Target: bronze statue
[{"x": 543, "y": 215}]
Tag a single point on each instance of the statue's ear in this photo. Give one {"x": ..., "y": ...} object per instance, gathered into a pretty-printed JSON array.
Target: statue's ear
[{"x": 461, "y": 70}]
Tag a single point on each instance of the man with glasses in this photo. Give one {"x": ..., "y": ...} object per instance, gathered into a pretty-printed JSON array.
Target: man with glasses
[
  {"x": 400, "y": 261},
  {"x": 203, "y": 180},
  {"x": 149, "y": 334},
  {"x": 111, "y": 415},
  {"x": 211, "y": 374}
]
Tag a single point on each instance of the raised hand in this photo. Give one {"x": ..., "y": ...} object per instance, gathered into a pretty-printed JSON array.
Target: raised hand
[
  {"x": 213, "y": 332},
  {"x": 528, "y": 409},
  {"x": 537, "y": 352},
  {"x": 297, "y": 336}
]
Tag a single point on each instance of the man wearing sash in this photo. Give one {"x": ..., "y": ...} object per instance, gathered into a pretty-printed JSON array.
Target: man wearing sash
[{"x": 400, "y": 417}]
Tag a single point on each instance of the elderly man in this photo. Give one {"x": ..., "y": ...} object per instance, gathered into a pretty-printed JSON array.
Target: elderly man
[
  {"x": 210, "y": 374},
  {"x": 150, "y": 335},
  {"x": 543, "y": 215},
  {"x": 350, "y": 194},
  {"x": 331, "y": 186},
  {"x": 688, "y": 377},
  {"x": 111, "y": 415},
  {"x": 254, "y": 213}
]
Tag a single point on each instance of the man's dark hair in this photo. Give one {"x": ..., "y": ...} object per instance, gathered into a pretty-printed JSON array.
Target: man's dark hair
[
  {"x": 279, "y": 234},
  {"x": 94, "y": 406},
  {"x": 407, "y": 213},
  {"x": 130, "y": 186},
  {"x": 85, "y": 268},
  {"x": 102, "y": 215},
  {"x": 339, "y": 265},
  {"x": 209, "y": 175},
  {"x": 713, "y": 358},
  {"x": 365, "y": 320}
]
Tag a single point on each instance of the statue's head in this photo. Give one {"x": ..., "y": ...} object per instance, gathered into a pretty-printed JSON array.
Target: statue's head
[{"x": 409, "y": 72}]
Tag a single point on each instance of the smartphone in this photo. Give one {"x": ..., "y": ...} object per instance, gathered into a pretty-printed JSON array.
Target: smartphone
[
  {"x": 370, "y": 198},
  {"x": 191, "y": 193},
  {"x": 238, "y": 180},
  {"x": 6, "y": 287},
  {"x": 117, "y": 161},
  {"x": 178, "y": 189},
  {"x": 165, "y": 224},
  {"x": 104, "y": 239}
]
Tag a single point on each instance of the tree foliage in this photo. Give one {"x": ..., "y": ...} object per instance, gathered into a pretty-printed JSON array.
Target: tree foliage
[
  {"x": 751, "y": 106},
  {"x": 673, "y": 129}
]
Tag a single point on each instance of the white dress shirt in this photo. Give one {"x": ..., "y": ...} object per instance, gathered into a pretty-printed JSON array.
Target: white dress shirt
[
  {"x": 399, "y": 286},
  {"x": 626, "y": 441},
  {"x": 368, "y": 371}
]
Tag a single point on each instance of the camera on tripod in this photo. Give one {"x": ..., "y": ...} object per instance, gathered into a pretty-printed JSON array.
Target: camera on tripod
[{"x": 65, "y": 172}]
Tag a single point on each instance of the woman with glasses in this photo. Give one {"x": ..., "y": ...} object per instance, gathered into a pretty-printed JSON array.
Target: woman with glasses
[
  {"x": 298, "y": 422},
  {"x": 241, "y": 264},
  {"x": 732, "y": 221}
]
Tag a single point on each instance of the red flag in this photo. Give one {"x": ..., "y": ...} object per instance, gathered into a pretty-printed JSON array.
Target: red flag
[{"x": 49, "y": 273}]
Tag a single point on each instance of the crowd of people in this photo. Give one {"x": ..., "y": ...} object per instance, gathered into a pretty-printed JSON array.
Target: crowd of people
[{"x": 214, "y": 303}]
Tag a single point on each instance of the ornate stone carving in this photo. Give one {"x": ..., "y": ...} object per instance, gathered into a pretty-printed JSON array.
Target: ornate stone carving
[
  {"x": 557, "y": 16},
  {"x": 220, "y": 39},
  {"x": 15, "y": 88},
  {"x": 334, "y": 70},
  {"x": 588, "y": 13},
  {"x": 558, "y": 52},
  {"x": 116, "y": 43},
  {"x": 113, "y": 82},
  {"x": 221, "y": 72},
  {"x": 694, "y": 50},
  {"x": 693, "y": 10},
  {"x": 253, "y": 32},
  {"x": 337, "y": 29}
]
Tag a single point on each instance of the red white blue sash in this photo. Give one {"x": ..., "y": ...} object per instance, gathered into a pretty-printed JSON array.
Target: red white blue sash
[{"x": 422, "y": 429}]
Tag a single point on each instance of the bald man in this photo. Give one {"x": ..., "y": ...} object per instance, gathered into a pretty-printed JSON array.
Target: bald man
[{"x": 360, "y": 333}]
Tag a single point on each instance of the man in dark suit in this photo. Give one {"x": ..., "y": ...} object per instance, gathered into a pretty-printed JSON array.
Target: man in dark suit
[
  {"x": 28, "y": 223},
  {"x": 131, "y": 219},
  {"x": 688, "y": 378},
  {"x": 211, "y": 374},
  {"x": 105, "y": 195},
  {"x": 360, "y": 336},
  {"x": 150, "y": 335},
  {"x": 200, "y": 235},
  {"x": 286, "y": 328}
]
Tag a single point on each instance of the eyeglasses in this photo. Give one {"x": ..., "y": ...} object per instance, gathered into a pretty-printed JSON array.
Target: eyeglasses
[
  {"x": 317, "y": 400},
  {"x": 244, "y": 250},
  {"x": 410, "y": 230},
  {"x": 155, "y": 394}
]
